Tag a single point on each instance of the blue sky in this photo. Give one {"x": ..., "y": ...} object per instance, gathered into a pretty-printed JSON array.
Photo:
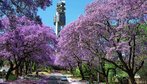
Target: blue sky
[{"x": 74, "y": 8}]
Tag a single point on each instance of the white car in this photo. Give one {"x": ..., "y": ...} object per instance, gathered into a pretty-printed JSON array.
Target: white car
[{"x": 64, "y": 78}]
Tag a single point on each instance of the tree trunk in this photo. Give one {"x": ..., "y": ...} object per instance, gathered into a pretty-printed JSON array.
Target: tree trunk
[
  {"x": 30, "y": 67},
  {"x": 132, "y": 79},
  {"x": 9, "y": 72},
  {"x": 71, "y": 69},
  {"x": 34, "y": 67},
  {"x": 26, "y": 68},
  {"x": 17, "y": 71},
  {"x": 106, "y": 79},
  {"x": 91, "y": 80},
  {"x": 21, "y": 69}
]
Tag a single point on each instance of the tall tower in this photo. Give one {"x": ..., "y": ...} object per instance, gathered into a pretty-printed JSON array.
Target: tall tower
[{"x": 59, "y": 19}]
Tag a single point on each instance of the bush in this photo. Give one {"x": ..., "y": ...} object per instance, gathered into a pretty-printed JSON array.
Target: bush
[
  {"x": 143, "y": 70},
  {"x": 76, "y": 72},
  {"x": 12, "y": 77}
]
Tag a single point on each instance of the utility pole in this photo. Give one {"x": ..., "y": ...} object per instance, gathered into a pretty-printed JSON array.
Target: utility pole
[{"x": 60, "y": 19}]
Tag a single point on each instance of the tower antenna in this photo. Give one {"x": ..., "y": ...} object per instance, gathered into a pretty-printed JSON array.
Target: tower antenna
[{"x": 60, "y": 19}]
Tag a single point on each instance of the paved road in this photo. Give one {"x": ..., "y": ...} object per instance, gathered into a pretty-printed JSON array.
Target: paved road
[{"x": 53, "y": 78}]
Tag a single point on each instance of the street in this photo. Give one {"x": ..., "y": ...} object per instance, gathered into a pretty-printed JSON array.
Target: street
[{"x": 53, "y": 78}]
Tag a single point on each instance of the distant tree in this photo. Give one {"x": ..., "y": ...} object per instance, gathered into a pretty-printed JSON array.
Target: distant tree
[
  {"x": 68, "y": 50},
  {"x": 74, "y": 50}
]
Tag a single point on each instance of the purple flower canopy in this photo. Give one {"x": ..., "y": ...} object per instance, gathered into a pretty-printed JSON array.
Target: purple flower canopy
[
  {"x": 29, "y": 40},
  {"x": 107, "y": 27}
]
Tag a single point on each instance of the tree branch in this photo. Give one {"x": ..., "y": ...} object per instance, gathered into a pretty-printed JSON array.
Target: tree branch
[{"x": 114, "y": 64}]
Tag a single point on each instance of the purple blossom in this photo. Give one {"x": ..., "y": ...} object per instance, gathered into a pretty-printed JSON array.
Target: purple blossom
[
  {"x": 29, "y": 41},
  {"x": 94, "y": 35}
]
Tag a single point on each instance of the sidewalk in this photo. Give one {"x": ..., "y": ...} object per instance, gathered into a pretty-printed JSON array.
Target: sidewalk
[{"x": 2, "y": 81}]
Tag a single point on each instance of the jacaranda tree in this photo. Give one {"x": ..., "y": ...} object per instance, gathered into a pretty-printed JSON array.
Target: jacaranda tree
[
  {"x": 92, "y": 45},
  {"x": 23, "y": 36},
  {"x": 118, "y": 22},
  {"x": 68, "y": 50},
  {"x": 111, "y": 28},
  {"x": 28, "y": 41},
  {"x": 72, "y": 50}
]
